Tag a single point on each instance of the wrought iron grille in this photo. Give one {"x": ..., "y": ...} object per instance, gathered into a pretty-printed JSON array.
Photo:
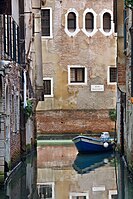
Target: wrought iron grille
[{"x": 9, "y": 38}]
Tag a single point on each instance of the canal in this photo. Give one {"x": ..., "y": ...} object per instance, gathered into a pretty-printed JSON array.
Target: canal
[{"x": 56, "y": 171}]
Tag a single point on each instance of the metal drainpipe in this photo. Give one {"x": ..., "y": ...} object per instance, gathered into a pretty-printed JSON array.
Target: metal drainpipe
[
  {"x": 125, "y": 32},
  {"x": 131, "y": 32}
]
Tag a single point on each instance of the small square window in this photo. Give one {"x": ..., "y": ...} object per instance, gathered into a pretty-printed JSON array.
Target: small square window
[
  {"x": 112, "y": 75},
  {"x": 48, "y": 87},
  {"x": 114, "y": 196},
  {"x": 77, "y": 75},
  {"x": 75, "y": 195},
  {"x": 45, "y": 190}
]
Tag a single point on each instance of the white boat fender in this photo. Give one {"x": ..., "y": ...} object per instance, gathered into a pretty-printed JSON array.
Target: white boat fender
[
  {"x": 105, "y": 144},
  {"x": 106, "y": 161}
]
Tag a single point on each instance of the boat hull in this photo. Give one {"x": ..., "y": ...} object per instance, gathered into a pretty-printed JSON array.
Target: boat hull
[{"x": 86, "y": 144}]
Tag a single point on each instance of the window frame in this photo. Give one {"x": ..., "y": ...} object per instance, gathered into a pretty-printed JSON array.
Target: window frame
[
  {"x": 106, "y": 29},
  {"x": 73, "y": 20},
  {"x": 108, "y": 76},
  {"x": 76, "y": 194},
  {"x": 90, "y": 20},
  {"x": 101, "y": 22},
  {"x": 90, "y": 33},
  {"x": 112, "y": 192},
  {"x": 47, "y": 183},
  {"x": 69, "y": 75},
  {"x": 11, "y": 38},
  {"x": 51, "y": 79},
  {"x": 71, "y": 33},
  {"x": 51, "y": 31}
]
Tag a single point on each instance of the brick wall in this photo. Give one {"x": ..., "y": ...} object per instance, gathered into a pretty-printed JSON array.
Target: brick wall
[
  {"x": 121, "y": 74},
  {"x": 11, "y": 106},
  {"x": 15, "y": 149},
  {"x": 72, "y": 121}
]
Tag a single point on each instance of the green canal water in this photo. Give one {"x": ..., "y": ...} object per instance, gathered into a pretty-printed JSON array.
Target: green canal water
[{"x": 56, "y": 171}]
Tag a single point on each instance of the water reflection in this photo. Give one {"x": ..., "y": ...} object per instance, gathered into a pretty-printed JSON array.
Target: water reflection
[
  {"x": 57, "y": 177},
  {"x": 58, "y": 172},
  {"x": 85, "y": 163},
  {"x": 125, "y": 180},
  {"x": 22, "y": 183},
  {"x": 54, "y": 169}
]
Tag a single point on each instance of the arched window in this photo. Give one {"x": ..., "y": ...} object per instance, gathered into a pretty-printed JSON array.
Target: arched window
[
  {"x": 107, "y": 22},
  {"x": 71, "y": 24},
  {"x": 89, "y": 21}
]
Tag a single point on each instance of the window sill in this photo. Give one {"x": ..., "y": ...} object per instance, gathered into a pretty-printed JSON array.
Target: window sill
[
  {"x": 47, "y": 37},
  {"x": 77, "y": 84}
]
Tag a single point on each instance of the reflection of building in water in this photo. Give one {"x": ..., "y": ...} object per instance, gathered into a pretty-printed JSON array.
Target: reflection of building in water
[
  {"x": 45, "y": 190},
  {"x": 57, "y": 178},
  {"x": 22, "y": 182}
]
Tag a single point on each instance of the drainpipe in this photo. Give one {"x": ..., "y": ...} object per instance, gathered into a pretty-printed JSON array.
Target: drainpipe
[
  {"x": 131, "y": 32},
  {"x": 125, "y": 32},
  {"x": 25, "y": 85}
]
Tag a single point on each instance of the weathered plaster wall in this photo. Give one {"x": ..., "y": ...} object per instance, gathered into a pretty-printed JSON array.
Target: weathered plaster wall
[{"x": 96, "y": 53}]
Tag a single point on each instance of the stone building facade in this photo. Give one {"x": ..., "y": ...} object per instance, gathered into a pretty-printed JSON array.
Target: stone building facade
[
  {"x": 21, "y": 83},
  {"x": 125, "y": 88},
  {"x": 119, "y": 18},
  {"x": 10, "y": 144},
  {"x": 79, "y": 67}
]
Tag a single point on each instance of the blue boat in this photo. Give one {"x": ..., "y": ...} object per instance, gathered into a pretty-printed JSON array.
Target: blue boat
[
  {"x": 84, "y": 163},
  {"x": 85, "y": 144}
]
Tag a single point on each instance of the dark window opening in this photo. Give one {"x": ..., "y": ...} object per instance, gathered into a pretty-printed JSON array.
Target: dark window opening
[
  {"x": 79, "y": 197},
  {"x": 45, "y": 22},
  {"x": 11, "y": 38},
  {"x": 5, "y": 7},
  {"x": 77, "y": 75},
  {"x": 45, "y": 191},
  {"x": 115, "y": 14},
  {"x": 113, "y": 74},
  {"x": 33, "y": 24},
  {"x": 71, "y": 21},
  {"x": 89, "y": 21},
  {"x": 14, "y": 40},
  {"x": 47, "y": 87},
  {"x": 114, "y": 196},
  {"x": 106, "y": 22}
]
